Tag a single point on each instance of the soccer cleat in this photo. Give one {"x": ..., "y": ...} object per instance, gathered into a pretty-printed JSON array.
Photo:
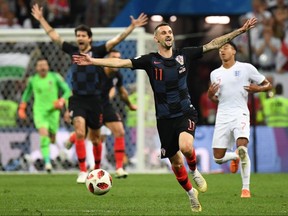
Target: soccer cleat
[
  {"x": 81, "y": 177},
  {"x": 199, "y": 181},
  {"x": 48, "y": 167},
  {"x": 234, "y": 165},
  {"x": 68, "y": 145},
  {"x": 195, "y": 204},
  {"x": 245, "y": 193},
  {"x": 121, "y": 173}
]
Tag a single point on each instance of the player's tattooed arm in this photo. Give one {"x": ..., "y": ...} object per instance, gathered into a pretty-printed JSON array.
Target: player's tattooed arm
[{"x": 220, "y": 41}]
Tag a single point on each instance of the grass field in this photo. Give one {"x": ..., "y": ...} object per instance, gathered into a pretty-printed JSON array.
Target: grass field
[{"x": 140, "y": 194}]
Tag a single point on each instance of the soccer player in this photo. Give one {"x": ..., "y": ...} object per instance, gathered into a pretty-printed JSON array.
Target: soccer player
[
  {"x": 110, "y": 78},
  {"x": 85, "y": 104},
  {"x": 167, "y": 70},
  {"x": 45, "y": 86},
  {"x": 230, "y": 85}
]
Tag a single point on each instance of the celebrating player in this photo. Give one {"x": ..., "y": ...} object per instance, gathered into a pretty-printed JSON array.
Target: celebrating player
[
  {"x": 45, "y": 86},
  {"x": 112, "y": 78},
  {"x": 176, "y": 116},
  {"x": 85, "y": 104},
  {"x": 230, "y": 85}
]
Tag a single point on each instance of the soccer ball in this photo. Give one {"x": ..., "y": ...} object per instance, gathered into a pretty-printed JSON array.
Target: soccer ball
[{"x": 98, "y": 182}]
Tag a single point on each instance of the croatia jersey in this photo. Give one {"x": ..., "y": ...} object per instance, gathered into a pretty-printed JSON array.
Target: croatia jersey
[{"x": 167, "y": 77}]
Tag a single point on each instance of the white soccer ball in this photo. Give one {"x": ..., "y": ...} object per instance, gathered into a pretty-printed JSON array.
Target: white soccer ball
[{"x": 99, "y": 182}]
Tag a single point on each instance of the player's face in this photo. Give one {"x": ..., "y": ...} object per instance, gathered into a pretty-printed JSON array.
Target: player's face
[
  {"x": 42, "y": 67},
  {"x": 164, "y": 36},
  {"x": 227, "y": 52},
  {"x": 83, "y": 40}
]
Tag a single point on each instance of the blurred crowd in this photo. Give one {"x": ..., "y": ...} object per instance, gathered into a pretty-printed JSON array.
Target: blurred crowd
[{"x": 60, "y": 13}]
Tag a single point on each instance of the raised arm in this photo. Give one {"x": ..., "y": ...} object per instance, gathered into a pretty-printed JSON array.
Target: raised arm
[
  {"x": 140, "y": 21},
  {"x": 85, "y": 59},
  {"x": 220, "y": 41},
  {"x": 37, "y": 13}
]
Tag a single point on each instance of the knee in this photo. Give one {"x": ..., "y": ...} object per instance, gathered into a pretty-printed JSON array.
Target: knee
[
  {"x": 80, "y": 134},
  {"x": 218, "y": 160}
]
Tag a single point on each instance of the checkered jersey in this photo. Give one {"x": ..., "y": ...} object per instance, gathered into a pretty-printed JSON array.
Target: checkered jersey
[
  {"x": 116, "y": 80},
  {"x": 168, "y": 80},
  {"x": 86, "y": 79}
]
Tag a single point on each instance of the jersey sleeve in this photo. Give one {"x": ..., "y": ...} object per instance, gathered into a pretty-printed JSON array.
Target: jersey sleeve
[
  {"x": 27, "y": 91},
  {"x": 141, "y": 62},
  {"x": 62, "y": 85},
  {"x": 254, "y": 74},
  {"x": 69, "y": 48}
]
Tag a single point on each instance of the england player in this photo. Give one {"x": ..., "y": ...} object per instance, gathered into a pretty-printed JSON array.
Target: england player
[
  {"x": 45, "y": 86},
  {"x": 230, "y": 85},
  {"x": 85, "y": 104},
  {"x": 167, "y": 70}
]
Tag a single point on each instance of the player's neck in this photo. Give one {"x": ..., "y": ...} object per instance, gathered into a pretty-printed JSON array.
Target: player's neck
[
  {"x": 228, "y": 64},
  {"x": 166, "y": 53}
]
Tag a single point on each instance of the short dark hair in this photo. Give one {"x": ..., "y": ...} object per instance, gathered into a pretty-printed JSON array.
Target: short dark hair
[
  {"x": 161, "y": 24},
  {"x": 233, "y": 45},
  {"x": 84, "y": 28},
  {"x": 279, "y": 89}
]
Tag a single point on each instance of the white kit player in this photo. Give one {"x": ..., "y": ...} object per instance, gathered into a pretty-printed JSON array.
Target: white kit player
[{"x": 230, "y": 85}]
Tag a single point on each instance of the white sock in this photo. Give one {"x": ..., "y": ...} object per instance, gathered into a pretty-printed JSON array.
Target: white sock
[
  {"x": 245, "y": 165},
  {"x": 229, "y": 156},
  {"x": 190, "y": 192}
]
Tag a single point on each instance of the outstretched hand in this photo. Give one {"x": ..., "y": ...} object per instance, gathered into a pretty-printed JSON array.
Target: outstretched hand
[
  {"x": 37, "y": 12},
  {"x": 140, "y": 21},
  {"x": 82, "y": 59},
  {"x": 250, "y": 23}
]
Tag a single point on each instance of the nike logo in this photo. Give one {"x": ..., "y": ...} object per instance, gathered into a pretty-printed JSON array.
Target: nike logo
[{"x": 155, "y": 62}]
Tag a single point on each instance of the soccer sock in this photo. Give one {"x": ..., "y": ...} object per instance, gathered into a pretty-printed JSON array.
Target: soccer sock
[
  {"x": 119, "y": 151},
  {"x": 192, "y": 161},
  {"x": 182, "y": 177},
  {"x": 72, "y": 137},
  {"x": 45, "y": 149},
  {"x": 245, "y": 170},
  {"x": 81, "y": 154},
  {"x": 229, "y": 156},
  {"x": 97, "y": 152}
]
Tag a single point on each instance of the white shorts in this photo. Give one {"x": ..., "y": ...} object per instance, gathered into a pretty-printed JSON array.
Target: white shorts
[
  {"x": 105, "y": 131},
  {"x": 226, "y": 134}
]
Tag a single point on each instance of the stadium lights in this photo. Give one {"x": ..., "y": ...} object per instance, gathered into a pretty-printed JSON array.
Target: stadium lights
[
  {"x": 217, "y": 19},
  {"x": 173, "y": 18},
  {"x": 157, "y": 18}
]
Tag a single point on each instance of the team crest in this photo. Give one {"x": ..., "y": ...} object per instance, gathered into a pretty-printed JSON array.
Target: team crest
[
  {"x": 180, "y": 59},
  {"x": 237, "y": 73}
]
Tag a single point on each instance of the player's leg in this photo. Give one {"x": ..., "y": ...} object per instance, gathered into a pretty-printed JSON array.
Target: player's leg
[
  {"x": 42, "y": 125},
  {"x": 222, "y": 140},
  {"x": 181, "y": 174},
  {"x": 242, "y": 134},
  {"x": 169, "y": 138},
  {"x": 186, "y": 141},
  {"x": 245, "y": 165},
  {"x": 80, "y": 132},
  {"x": 95, "y": 137},
  {"x": 118, "y": 132}
]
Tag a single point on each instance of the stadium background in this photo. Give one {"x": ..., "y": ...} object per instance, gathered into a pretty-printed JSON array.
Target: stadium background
[{"x": 21, "y": 47}]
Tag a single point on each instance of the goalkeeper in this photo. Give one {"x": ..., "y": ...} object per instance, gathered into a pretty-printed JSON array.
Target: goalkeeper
[{"x": 45, "y": 86}]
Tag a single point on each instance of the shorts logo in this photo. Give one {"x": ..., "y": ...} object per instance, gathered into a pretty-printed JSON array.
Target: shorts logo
[
  {"x": 163, "y": 152},
  {"x": 191, "y": 125},
  {"x": 71, "y": 113}
]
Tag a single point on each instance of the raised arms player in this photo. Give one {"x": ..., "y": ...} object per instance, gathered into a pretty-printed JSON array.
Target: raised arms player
[
  {"x": 167, "y": 70},
  {"x": 85, "y": 104}
]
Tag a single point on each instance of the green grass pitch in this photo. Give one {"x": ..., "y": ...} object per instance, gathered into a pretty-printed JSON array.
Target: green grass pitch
[{"x": 140, "y": 194}]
